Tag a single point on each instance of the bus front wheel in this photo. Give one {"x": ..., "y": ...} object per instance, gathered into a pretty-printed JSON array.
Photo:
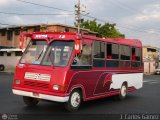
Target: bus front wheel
[
  {"x": 30, "y": 101},
  {"x": 74, "y": 101}
]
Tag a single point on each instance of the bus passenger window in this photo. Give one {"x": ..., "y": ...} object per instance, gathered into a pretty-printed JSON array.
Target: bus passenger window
[
  {"x": 136, "y": 57},
  {"x": 125, "y": 52},
  {"x": 138, "y": 54},
  {"x": 125, "y": 56},
  {"x": 133, "y": 54},
  {"x": 99, "y": 49},
  {"x": 109, "y": 51},
  {"x": 112, "y": 51},
  {"x": 99, "y": 54}
]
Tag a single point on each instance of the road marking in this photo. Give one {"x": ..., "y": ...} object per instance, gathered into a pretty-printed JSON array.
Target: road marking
[
  {"x": 151, "y": 81},
  {"x": 154, "y": 82}
]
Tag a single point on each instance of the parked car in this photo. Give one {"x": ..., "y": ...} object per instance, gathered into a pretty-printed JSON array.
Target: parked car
[
  {"x": 157, "y": 71},
  {"x": 2, "y": 67}
]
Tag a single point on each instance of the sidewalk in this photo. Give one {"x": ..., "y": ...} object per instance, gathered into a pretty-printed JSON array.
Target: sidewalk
[{"x": 8, "y": 71}]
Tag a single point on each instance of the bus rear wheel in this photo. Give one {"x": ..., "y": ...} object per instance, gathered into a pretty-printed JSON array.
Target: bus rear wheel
[
  {"x": 74, "y": 102},
  {"x": 123, "y": 92},
  {"x": 30, "y": 101}
]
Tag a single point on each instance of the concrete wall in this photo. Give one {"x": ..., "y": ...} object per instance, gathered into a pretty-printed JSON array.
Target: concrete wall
[{"x": 149, "y": 67}]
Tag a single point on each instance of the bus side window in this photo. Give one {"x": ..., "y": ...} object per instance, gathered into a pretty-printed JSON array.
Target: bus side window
[
  {"x": 133, "y": 54},
  {"x": 112, "y": 51},
  {"x": 138, "y": 54},
  {"x": 99, "y": 54},
  {"x": 125, "y": 56},
  {"x": 109, "y": 51},
  {"x": 136, "y": 57},
  {"x": 112, "y": 59},
  {"x": 125, "y": 53}
]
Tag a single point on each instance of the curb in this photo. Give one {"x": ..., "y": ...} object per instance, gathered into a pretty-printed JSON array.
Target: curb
[{"x": 6, "y": 72}]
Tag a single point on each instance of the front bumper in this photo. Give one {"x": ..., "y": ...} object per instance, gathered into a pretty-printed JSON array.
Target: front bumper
[{"x": 41, "y": 96}]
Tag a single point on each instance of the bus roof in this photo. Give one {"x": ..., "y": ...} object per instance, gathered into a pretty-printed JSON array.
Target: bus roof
[
  {"x": 73, "y": 36},
  {"x": 124, "y": 41}
]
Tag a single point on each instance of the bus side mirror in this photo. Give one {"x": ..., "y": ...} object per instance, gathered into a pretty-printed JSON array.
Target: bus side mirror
[{"x": 74, "y": 62}]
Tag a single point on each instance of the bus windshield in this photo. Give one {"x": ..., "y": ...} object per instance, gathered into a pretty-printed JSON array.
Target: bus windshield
[
  {"x": 58, "y": 53},
  {"x": 34, "y": 52}
]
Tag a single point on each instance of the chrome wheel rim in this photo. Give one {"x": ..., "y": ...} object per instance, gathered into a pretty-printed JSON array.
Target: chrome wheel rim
[{"x": 75, "y": 99}]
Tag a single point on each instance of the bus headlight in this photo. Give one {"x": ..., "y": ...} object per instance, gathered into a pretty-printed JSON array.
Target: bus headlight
[
  {"x": 18, "y": 82},
  {"x": 59, "y": 88},
  {"x": 55, "y": 87}
]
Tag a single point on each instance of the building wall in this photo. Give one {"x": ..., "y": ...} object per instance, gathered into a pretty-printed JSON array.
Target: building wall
[
  {"x": 30, "y": 29},
  {"x": 16, "y": 41},
  {"x": 150, "y": 54},
  {"x": 3, "y": 40}
]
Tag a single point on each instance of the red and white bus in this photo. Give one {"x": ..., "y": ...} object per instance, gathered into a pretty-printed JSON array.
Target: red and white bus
[{"x": 71, "y": 68}]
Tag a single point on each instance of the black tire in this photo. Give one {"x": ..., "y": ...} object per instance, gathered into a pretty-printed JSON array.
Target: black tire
[
  {"x": 1, "y": 67},
  {"x": 123, "y": 92},
  {"x": 30, "y": 101},
  {"x": 74, "y": 101}
]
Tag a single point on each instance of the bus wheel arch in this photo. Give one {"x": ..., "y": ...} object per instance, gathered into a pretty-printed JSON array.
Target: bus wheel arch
[
  {"x": 75, "y": 99},
  {"x": 81, "y": 89}
]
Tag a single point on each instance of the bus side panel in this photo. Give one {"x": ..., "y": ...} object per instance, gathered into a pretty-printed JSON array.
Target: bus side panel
[
  {"x": 99, "y": 84},
  {"x": 134, "y": 80},
  {"x": 93, "y": 82}
]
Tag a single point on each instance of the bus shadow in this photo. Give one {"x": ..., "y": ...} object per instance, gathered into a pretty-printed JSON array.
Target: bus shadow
[
  {"x": 86, "y": 107},
  {"x": 109, "y": 102}
]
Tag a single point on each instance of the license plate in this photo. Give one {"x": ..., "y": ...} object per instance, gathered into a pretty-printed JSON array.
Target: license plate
[{"x": 36, "y": 94}]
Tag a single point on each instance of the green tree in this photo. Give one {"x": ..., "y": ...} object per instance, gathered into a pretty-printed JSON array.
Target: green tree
[{"x": 106, "y": 30}]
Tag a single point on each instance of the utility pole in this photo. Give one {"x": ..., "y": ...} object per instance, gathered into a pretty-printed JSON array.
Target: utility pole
[
  {"x": 78, "y": 9},
  {"x": 78, "y": 14}
]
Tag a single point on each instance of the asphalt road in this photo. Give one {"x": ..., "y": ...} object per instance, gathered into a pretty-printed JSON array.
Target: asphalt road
[{"x": 143, "y": 101}]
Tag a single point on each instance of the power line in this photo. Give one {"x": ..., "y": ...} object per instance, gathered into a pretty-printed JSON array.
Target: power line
[
  {"x": 131, "y": 9},
  {"x": 128, "y": 28},
  {"x": 28, "y": 14},
  {"x": 43, "y": 5},
  {"x": 68, "y": 10},
  {"x": 45, "y": 14},
  {"x": 5, "y": 24},
  {"x": 124, "y": 6},
  {"x": 71, "y": 11}
]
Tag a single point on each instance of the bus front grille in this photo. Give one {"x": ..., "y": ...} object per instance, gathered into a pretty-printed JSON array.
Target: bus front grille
[{"x": 36, "y": 85}]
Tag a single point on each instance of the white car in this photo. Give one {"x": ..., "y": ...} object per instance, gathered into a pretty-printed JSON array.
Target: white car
[
  {"x": 2, "y": 67},
  {"x": 157, "y": 72}
]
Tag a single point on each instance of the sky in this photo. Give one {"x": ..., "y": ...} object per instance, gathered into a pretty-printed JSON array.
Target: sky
[{"x": 139, "y": 19}]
